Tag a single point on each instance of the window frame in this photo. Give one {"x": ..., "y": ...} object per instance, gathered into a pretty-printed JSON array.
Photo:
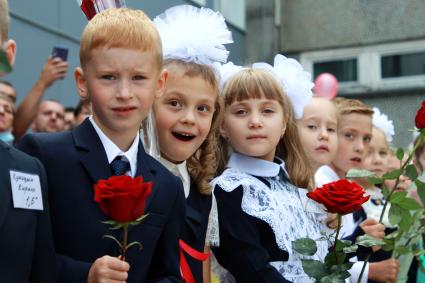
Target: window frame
[{"x": 369, "y": 66}]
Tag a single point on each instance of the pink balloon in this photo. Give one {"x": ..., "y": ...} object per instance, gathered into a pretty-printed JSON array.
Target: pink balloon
[{"x": 326, "y": 85}]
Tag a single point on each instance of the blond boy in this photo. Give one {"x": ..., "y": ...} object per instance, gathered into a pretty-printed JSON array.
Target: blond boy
[
  {"x": 121, "y": 73},
  {"x": 354, "y": 136}
]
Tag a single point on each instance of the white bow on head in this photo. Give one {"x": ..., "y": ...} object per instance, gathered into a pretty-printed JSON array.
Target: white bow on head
[
  {"x": 193, "y": 34},
  {"x": 296, "y": 82},
  {"x": 381, "y": 121}
]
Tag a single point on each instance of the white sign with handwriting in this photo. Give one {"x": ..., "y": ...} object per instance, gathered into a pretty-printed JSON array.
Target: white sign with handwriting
[{"x": 26, "y": 190}]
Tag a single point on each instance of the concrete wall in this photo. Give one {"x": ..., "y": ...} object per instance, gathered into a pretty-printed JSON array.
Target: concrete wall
[
  {"x": 39, "y": 25},
  {"x": 312, "y": 24},
  {"x": 262, "y": 36}
]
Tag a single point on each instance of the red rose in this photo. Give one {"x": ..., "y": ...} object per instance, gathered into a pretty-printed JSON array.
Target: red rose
[
  {"x": 340, "y": 197},
  {"x": 122, "y": 198},
  {"x": 420, "y": 117}
]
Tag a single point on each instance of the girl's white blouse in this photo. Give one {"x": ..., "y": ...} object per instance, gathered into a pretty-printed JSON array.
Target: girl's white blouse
[{"x": 286, "y": 208}]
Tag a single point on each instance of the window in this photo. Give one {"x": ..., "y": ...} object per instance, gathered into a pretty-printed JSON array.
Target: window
[
  {"x": 374, "y": 68},
  {"x": 343, "y": 70},
  {"x": 402, "y": 65}
]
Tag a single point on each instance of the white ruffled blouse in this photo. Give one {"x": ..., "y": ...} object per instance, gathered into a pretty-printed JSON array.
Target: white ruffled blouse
[{"x": 286, "y": 208}]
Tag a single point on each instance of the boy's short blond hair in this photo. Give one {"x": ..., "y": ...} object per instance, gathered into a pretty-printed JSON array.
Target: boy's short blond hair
[
  {"x": 4, "y": 20},
  {"x": 120, "y": 28},
  {"x": 347, "y": 106}
]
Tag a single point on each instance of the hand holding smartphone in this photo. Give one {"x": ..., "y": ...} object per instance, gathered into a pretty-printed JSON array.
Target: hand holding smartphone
[{"x": 61, "y": 52}]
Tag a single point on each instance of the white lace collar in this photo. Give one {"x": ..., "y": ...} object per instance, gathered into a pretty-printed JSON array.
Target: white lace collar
[
  {"x": 255, "y": 166},
  {"x": 284, "y": 207}
]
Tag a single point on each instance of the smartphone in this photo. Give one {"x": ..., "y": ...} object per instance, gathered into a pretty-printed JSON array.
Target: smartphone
[{"x": 61, "y": 52}]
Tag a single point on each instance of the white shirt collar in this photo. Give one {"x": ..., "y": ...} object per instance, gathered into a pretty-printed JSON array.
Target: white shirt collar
[
  {"x": 112, "y": 150},
  {"x": 255, "y": 166},
  {"x": 324, "y": 175},
  {"x": 179, "y": 170}
]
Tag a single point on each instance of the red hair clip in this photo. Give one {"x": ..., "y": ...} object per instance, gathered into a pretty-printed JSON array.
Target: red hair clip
[{"x": 91, "y": 7}]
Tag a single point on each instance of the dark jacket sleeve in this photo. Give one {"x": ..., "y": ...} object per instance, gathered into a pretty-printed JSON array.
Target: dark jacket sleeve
[
  {"x": 67, "y": 269},
  {"x": 241, "y": 251},
  {"x": 44, "y": 251},
  {"x": 165, "y": 266}
]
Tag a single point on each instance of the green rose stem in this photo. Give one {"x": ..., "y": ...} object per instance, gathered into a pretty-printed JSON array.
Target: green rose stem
[
  {"x": 124, "y": 241},
  {"x": 338, "y": 228},
  {"x": 408, "y": 241},
  {"x": 403, "y": 167}
]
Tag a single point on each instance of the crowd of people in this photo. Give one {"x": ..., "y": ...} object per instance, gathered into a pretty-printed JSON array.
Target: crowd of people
[
  {"x": 35, "y": 113},
  {"x": 231, "y": 152}
]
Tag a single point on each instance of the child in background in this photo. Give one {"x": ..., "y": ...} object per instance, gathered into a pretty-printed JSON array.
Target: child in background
[
  {"x": 187, "y": 117},
  {"x": 318, "y": 132},
  {"x": 121, "y": 74},
  {"x": 354, "y": 135},
  {"x": 376, "y": 161},
  {"x": 259, "y": 196}
]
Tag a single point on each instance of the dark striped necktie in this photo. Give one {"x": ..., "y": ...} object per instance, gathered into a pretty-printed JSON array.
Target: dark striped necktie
[{"x": 119, "y": 166}]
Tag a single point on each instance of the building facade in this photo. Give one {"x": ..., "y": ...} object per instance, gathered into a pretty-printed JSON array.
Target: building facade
[{"x": 376, "y": 48}]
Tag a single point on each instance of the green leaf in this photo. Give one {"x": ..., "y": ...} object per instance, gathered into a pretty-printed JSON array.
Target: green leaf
[
  {"x": 142, "y": 217},
  {"x": 394, "y": 215},
  {"x": 359, "y": 173},
  {"x": 420, "y": 189},
  {"x": 116, "y": 227},
  {"x": 134, "y": 244},
  {"x": 402, "y": 250},
  {"x": 406, "y": 221},
  {"x": 330, "y": 259},
  {"x": 369, "y": 241},
  {"x": 341, "y": 244},
  {"x": 374, "y": 180},
  {"x": 398, "y": 197},
  {"x": 314, "y": 268},
  {"x": 409, "y": 203},
  {"x": 305, "y": 246},
  {"x": 114, "y": 239},
  {"x": 399, "y": 153},
  {"x": 392, "y": 235},
  {"x": 350, "y": 249},
  {"x": 110, "y": 222},
  {"x": 418, "y": 252},
  {"x": 392, "y": 175},
  {"x": 341, "y": 267},
  {"x": 336, "y": 277},
  {"x": 411, "y": 172},
  {"x": 385, "y": 192}
]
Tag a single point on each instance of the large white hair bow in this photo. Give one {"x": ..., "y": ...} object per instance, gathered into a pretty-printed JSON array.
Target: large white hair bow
[
  {"x": 381, "y": 121},
  {"x": 225, "y": 71},
  {"x": 193, "y": 34},
  {"x": 295, "y": 81}
]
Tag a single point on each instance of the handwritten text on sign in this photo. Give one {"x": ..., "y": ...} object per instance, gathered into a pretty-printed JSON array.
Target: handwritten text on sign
[{"x": 26, "y": 190}]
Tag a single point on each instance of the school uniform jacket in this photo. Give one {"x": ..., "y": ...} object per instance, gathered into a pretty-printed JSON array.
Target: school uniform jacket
[
  {"x": 74, "y": 162},
  {"x": 26, "y": 244},
  {"x": 198, "y": 208}
]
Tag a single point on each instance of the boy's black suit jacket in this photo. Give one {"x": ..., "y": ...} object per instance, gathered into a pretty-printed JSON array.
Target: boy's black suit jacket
[
  {"x": 26, "y": 244},
  {"x": 74, "y": 162}
]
